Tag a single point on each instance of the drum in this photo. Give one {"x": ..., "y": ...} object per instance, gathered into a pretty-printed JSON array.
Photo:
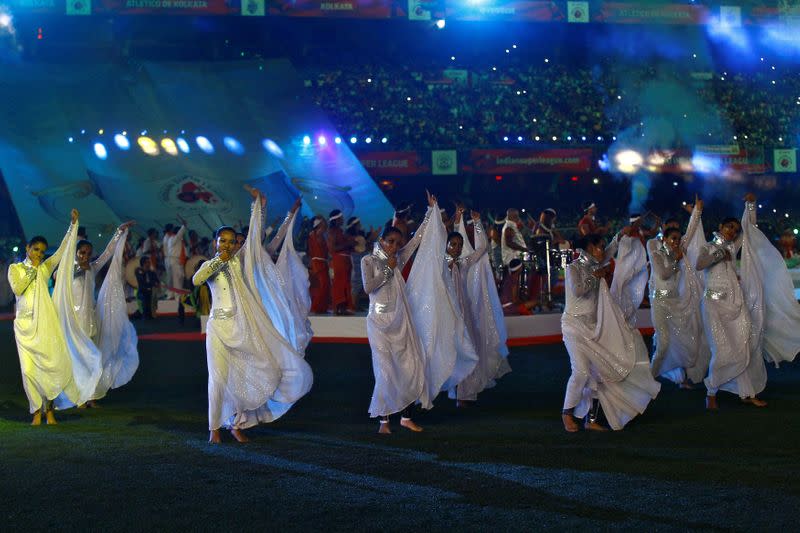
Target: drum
[
  {"x": 191, "y": 265},
  {"x": 130, "y": 272}
]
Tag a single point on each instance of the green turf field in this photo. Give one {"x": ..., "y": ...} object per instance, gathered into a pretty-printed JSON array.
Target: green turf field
[{"x": 142, "y": 463}]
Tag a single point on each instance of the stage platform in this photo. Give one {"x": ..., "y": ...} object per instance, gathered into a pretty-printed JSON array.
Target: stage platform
[{"x": 543, "y": 328}]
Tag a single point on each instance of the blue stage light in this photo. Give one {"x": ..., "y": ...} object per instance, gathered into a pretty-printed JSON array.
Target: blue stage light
[
  {"x": 233, "y": 145},
  {"x": 322, "y": 140},
  {"x": 183, "y": 146},
  {"x": 272, "y": 147},
  {"x": 338, "y": 140},
  {"x": 441, "y": 24},
  {"x": 70, "y": 139},
  {"x": 100, "y": 151},
  {"x": 353, "y": 140},
  {"x": 306, "y": 140},
  {"x": 122, "y": 142},
  {"x": 368, "y": 140}
]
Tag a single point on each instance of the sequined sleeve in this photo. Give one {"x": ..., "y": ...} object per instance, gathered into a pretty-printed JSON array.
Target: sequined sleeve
[
  {"x": 662, "y": 266},
  {"x": 405, "y": 253},
  {"x": 691, "y": 229},
  {"x": 20, "y": 276},
  {"x": 208, "y": 270},
  {"x": 103, "y": 258},
  {"x": 580, "y": 281},
  {"x": 611, "y": 249},
  {"x": 52, "y": 261},
  {"x": 369, "y": 278},
  {"x": 480, "y": 245},
  {"x": 709, "y": 256},
  {"x": 277, "y": 240}
]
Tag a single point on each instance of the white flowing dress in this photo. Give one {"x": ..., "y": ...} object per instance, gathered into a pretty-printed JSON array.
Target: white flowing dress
[
  {"x": 449, "y": 352},
  {"x": 748, "y": 322},
  {"x": 254, "y": 373},
  {"x": 480, "y": 303},
  {"x": 680, "y": 348},
  {"x": 608, "y": 356},
  {"x": 398, "y": 360}
]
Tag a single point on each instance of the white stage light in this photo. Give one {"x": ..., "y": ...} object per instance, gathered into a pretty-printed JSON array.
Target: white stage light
[
  {"x": 306, "y": 140},
  {"x": 204, "y": 144},
  {"x": 183, "y": 146},
  {"x": 338, "y": 140},
  {"x": 322, "y": 140},
  {"x": 440, "y": 24},
  {"x": 353, "y": 140},
  {"x": 628, "y": 161},
  {"x": 122, "y": 142},
  {"x": 100, "y": 151}
]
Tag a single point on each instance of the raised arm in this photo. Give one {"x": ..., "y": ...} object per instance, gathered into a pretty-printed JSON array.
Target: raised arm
[
  {"x": 207, "y": 270},
  {"x": 103, "y": 258},
  {"x": 481, "y": 243},
  {"x": 694, "y": 223},
  {"x": 20, "y": 276},
  {"x": 277, "y": 240},
  {"x": 52, "y": 261},
  {"x": 611, "y": 249},
  {"x": 371, "y": 279},
  {"x": 405, "y": 253}
]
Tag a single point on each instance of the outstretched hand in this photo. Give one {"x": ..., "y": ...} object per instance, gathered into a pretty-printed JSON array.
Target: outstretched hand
[
  {"x": 476, "y": 216},
  {"x": 750, "y": 197},
  {"x": 297, "y": 203},
  {"x": 126, "y": 225},
  {"x": 74, "y": 216},
  {"x": 431, "y": 198}
]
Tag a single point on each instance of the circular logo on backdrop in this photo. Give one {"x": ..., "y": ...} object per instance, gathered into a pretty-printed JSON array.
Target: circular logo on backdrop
[
  {"x": 577, "y": 13},
  {"x": 784, "y": 162},
  {"x": 444, "y": 162},
  {"x": 191, "y": 194}
]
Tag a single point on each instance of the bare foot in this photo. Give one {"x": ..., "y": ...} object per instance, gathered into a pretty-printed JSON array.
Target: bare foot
[
  {"x": 37, "y": 419},
  {"x": 239, "y": 436},
  {"x": 755, "y": 401},
  {"x": 51, "y": 418},
  {"x": 384, "y": 429},
  {"x": 213, "y": 437},
  {"x": 409, "y": 424},
  {"x": 594, "y": 426},
  {"x": 570, "y": 424},
  {"x": 711, "y": 403}
]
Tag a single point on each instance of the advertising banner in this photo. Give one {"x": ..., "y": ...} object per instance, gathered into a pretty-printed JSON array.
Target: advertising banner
[
  {"x": 373, "y": 9},
  {"x": 393, "y": 163},
  {"x": 168, "y": 7},
  {"x": 528, "y": 10},
  {"x": 785, "y": 160},
  {"x": 522, "y": 161},
  {"x": 641, "y": 13}
]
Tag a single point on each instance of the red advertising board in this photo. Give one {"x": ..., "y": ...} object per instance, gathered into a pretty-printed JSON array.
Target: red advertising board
[
  {"x": 394, "y": 163},
  {"x": 527, "y": 10},
  {"x": 374, "y": 9},
  {"x": 35, "y": 6},
  {"x": 747, "y": 159},
  {"x": 641, "y": 13},
  {"x": 167, "y": 7},
  {"x": 523, "y": 161}
]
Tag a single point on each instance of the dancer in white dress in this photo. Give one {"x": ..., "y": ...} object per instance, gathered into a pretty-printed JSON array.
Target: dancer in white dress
[
  {"x": 608, "y": 356},
  {"x": 254, "y": 373},
  {"x": 398, "y": 361},
  {"x": 105, "y": 319},
  {"x": 746, "y": 321},
  {"x": 680, "y": 350},
  {"x": 43, "y": 355},
  {"x": 477, "y": 297}
]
